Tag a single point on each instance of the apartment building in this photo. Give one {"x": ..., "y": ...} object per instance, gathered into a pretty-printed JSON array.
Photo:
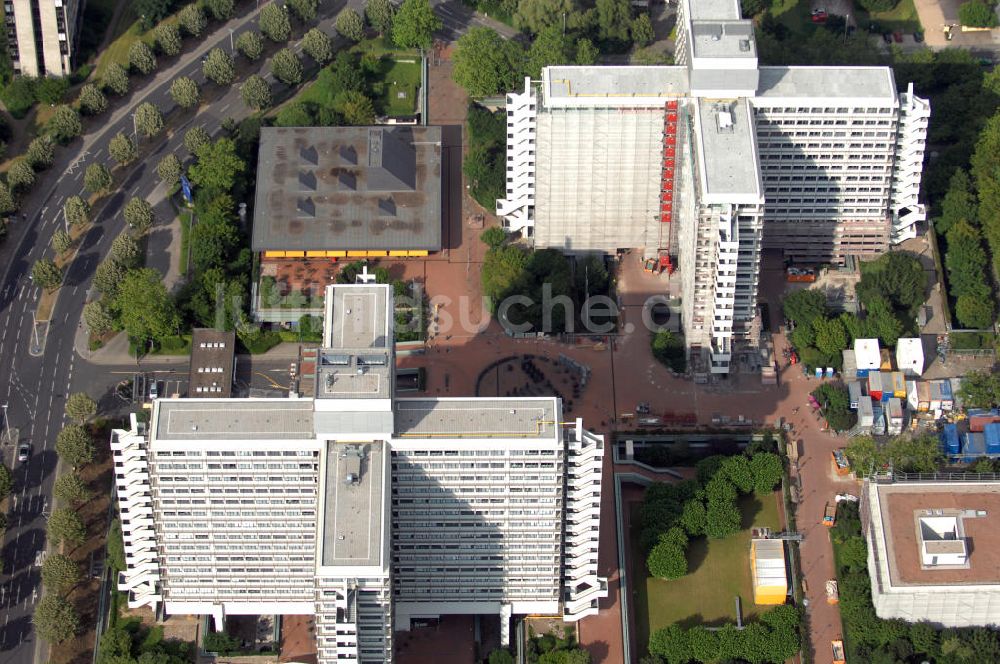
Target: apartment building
[
  {"x": 42, "y": 35},
  {"x": 704, "y": 164},
  {"x": 365, "y": 510}
]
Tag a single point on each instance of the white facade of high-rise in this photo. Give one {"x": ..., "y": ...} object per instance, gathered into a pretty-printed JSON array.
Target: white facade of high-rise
[
  {"x": 606, "y": 159},
  {"x": 42, "y": 35},
  {"x": 365, "y": 510}
]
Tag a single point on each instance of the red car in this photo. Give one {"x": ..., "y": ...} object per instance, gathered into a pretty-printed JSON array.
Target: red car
[
  {"x": 818, "y": 16},
  {"x": 898, "y": 37}
]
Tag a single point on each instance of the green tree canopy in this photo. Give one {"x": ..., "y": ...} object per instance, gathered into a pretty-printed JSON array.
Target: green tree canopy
[
  {"x": 550, "y": 47},
  {"x": 274, "y": 23},
  {"x": 380, "y": 14},
  {"x": 804, "y": 306},
  {"x": 6, "y": 481},
  {"x": 108, "y": 276},
  {"x": 168, "y": 38},
  {"x": 169, "y": 169},
  {"x": 614, "y": 18},
  {"x": 218, "y": 65},
  {"x": 41, "y": 151},
  {"x": 831, "y": 337},
  {"x": 318, "y": 46},
  {"x": 766, "y": 468},
  {"x": 221, "y": 10},
  {"x": 55, "y": 619},
  {"x": 122, "y": 149},
  {"x": 141, "y": 58},
  {"x": 192, "y": 20},
  {"x": 20, "y": 175},
  {"x": 46, "y": 274},
  {"x": 148, "y": 119},
  {"x": 97, "y": 317},
  {"x": 287, "y": 67},
  {"x": 485, "y": 63},
  {"x": 250, "y": 45},
  {"x": 91, "y": 100},
  {"x": 138, "y": 214},
  {"x": 195, "y": 139},
  {"x": 959, "y": 204},
  {"x": 667, "y": 561},
  {"x": 534, "y": 16},
  {"x": 59, "y": 572},
  {"x": 77, "y": 210},
  {"x": 350, "y": 24},
  {"x": 61, "y": 241},
  {"x": 184, "y": 91},
  {"x": 218, "y": 166},
  {"x": 305, "y": 10},
  {"x": 642, "y": 30},
  {"x": 116, "y": 79},
  {"x": 256, "y": 93},
  {"x": 65, "y": 525},
  {"x": 414, "y": 24},
  {"x": 80, "y": 407},
  {"x": 146, "y": 309},
  {"x": 97, "y": 178},
  {"x": 976, "y": 13}
]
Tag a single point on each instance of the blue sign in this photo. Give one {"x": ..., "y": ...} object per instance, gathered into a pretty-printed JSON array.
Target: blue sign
[{"x": 186, "y": 188}]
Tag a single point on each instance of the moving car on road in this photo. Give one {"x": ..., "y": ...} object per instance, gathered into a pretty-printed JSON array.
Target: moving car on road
[{"x": 23, "y": 451}]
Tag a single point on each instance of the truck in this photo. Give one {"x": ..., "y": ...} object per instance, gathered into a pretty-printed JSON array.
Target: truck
[
  {"x": 830, "y": 515},
  {"x": 840, "y": 464},
  {"x": 832, "y": 592},
  {"x": 837, "y": 646}
]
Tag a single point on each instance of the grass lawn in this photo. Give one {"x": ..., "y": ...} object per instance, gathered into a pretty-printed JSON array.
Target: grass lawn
[
  {"x": 719, "y": 570},
  {"x": 794, "y": 14},
  {"x": 902, "y": 17},
  {"x": 185, "y": 219},
  {"x": 401, "y": 80}
]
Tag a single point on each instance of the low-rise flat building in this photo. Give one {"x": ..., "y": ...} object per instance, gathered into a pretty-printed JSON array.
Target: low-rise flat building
[
  {"x": 213, "y": 361},
  {"x": 933, "y": 551}
]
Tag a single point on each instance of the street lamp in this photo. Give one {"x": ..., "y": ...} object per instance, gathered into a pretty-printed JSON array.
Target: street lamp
[
  {"x": 135, "y": 128},
  {"x": 6, "y": 421},
  {"x": 232, "y": 47}
]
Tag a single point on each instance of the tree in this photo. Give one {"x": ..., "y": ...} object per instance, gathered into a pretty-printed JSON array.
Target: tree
[
  {"x": 864, "y": 455},
  {"x": 959, "y": 204},
  {"x": 125, "y": 251},
  {"x": 350, "y": 25},
  {"x": 980, "y": 389},
  {"x": 977, "y": 14},
  {"x": 722, "y": 516},
  {"x": 40, "y": 153},
  {"x": 64, "y": 125},
  {"x": 65, "y": 525},
  {"x": 195, "y": 139},
  {"x": 534, "y": 16},
  {"x": 897, "y": 277},
  {"x": 217, "y": 166},
  {"x": 138, "y": 214},
  {"x": 305, "y": 10},
  {"x": 250, "y": 45},
  {"x": 500, "y": 656},
  {"x": 380, "y": 14},
  {"x": 61, "y": 241},
  {"x": 69, "y": 488},
  {"x": 642, "y": 30},
  {"x": 116, "y": 546},
  {"x": 668, "y": 349},
  {"x": 80, "y": 407},
  {"x": 485, "y": 63},
  {"x": 766, "y": 469},
  {"x": 853, "y": 554},
  {"x": 586, "y": 52},
  {"x": 614, "y": 18},
  {"x": 122, "y": 149},
  {"x": 59, "y": 572},
  {"x": 91, "y": 100},
  {"x": 921, "y": 454},
  {"x": 414, "y": 24},
  {"x": 141, "y": 58},
  {"x": 274, "y": 24},
  {"x": 6, "y": 481},
  {"x": 147, "y": 310},
  {"x": 256, "y": 93},
  {"x": 20, "y": 175},
  {"x": 108, "y": 276},
  {"x": 318, "y": 46},
  {"x": 192, "y": 20},
  {"x": 835, "y": 403},
  {"x": 152, "y": 11},
  {"x": 692, "y": 519},
  {"x": 76, "y": 211},
  {"x": 221, "y": 10},
  {"x": 55, "y": 619},
  {"x": 667, "y": 561},
  {"x": 218, "y": 66},
  {"x": 46, "y": 274},
  {"x": 672, "y": 643},
  {"x": 493, "y": 237},
  {"x": 737, "y": 470},
  {"x": 168, "y": 38},
  {"x": 804, "y": 306},
  {"x": 148, "y": 119},
  {"x": 974, "y": 312},
  {"x": 169, "y": 169},
  {"x": 704, "y": 644},
  {"x": 7, "y": 204},
  {"x": 184, "y": 91},
  {"x": 116, "y": 79},
  {"x": 356, "y": 108},
  {"x": 831, "y": 337},
  {"x": 51, "y": 89},
  {"x": 550, "y": 47},
  {"x": 97, "y": 318},
  {"x": 287, "y": 67}
]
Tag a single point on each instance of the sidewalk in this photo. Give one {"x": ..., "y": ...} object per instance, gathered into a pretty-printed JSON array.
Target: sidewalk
[{"x": 115, "y": 352}]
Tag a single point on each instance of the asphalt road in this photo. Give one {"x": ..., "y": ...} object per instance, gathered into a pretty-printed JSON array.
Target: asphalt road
[{"x": 35, "y": 385}]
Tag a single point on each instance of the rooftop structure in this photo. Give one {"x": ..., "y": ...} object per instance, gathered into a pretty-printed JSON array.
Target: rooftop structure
[
  {"x": 323, "y": 189},
  {"x": 355, "y": 491},
  {"x": 910, "y": 356},
  {"x": 770, "y": 581},
  {"x": 866, "y": 355},
  {"x": 236, "y": 420},
  {"x": 728, "y": 151},
  {"x": 933, "y": 551},
  {"x": 213, "y": 360}
]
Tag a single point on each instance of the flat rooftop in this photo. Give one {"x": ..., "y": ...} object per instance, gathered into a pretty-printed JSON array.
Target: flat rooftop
[
  {"x": 615, "y": 81},
  {"x": 714, "y": 10},
  {"x": 213, "y": 354},
  {"x": 819, "y": 83},
  {"x": 723, "y": 39},
  {"x": 233, "y": 419},
  {"x": 476, "y": 418},
  {"x": 348, "y": 188},
  {"x": 355, "y": 361},
  {"x": 360, "y": 317},
  {"x": 353, "y": 504},
  {"x": 902, "y": 504},
  {"x": 728, "y": 159}
]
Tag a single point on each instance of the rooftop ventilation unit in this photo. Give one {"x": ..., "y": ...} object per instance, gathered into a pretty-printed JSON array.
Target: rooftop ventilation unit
[{"x": 724, "y": 118}]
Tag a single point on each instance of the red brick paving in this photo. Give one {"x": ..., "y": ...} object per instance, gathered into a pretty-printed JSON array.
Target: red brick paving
[
  {"x": 298, "y": 639},
  {"x": 452, "y": 637}
]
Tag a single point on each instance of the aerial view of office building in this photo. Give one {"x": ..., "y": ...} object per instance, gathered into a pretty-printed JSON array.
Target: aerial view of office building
[
  {"x": 703, "y": 164},
  {"x": 42, "y": 36},
  {"x": 932, "y": 554},
  {"x": 363, "y": 509}
]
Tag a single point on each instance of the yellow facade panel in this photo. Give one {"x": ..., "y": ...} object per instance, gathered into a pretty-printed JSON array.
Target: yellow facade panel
[
  {"x": 357, "y": 254},
  {"x": 316, "y": 254},
  {"x": 274, "y": 254},
  {"x": 421, "y": 252},
  {"x": 295, "y": 254},
  {"x": 377, "y": 254},
  {"x": 398, "y": 253},
  {"x": 336, "y": 254}
]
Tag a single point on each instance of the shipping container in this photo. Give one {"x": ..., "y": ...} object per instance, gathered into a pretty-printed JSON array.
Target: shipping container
[
  {"x": 866, "y": 415},
  {"x": 924, "y": 396},
  {"x": 898, "y": 385},
  {"x": 910, "y": 356},
  {"x": 850, "y": 366},
  {"x": 911, "y": 395},
  {"x": 885, "y": 360},
  {"x": 949, "y": 440},
  {"x": 947, "y": 397},
  {"x": 980, "y": 417},
  {"x": 854, "y": 393},
  {"x": 935, "y": 395},
  {"x": 992, "y": 435},
  {"x": 974, "y": 446},
  {"x": 866, "y": 355},
  {"x": 956, "y": 391},
  {"x": 875, "y": 385},
  {"x": 894, "y": 416}
]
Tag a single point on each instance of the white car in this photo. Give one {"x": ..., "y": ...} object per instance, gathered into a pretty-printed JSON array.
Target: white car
[
  {"x": 154, "y": 390},
  {"x": 23, "y": 451}
]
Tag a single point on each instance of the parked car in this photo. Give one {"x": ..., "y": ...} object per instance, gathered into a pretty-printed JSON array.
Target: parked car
[
  {"x": 819, "y": 16},
  {"x": 918, "y": 37},
  {"x": 154, "y": 389},
  {"x": 898, "y": 37},
  {"x": 887, "y": 37},
  {"x": 23, "y": 451}
]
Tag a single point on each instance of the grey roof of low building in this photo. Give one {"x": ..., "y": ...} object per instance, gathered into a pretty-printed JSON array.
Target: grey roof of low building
[
  {"x": 233, "y": 419},
  {"x": 476, "y": 418},
  {"x": 348, "y": 188}
]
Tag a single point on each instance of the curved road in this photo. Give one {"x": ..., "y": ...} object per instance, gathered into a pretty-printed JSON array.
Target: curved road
[{"x": 33, "y": 387}]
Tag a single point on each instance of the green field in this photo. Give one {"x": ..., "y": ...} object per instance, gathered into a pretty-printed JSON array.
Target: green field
[
  {"x": 401, "y": 80},
  {"x": 719, "y": 571},
  {"x": 795, "y": 14}
]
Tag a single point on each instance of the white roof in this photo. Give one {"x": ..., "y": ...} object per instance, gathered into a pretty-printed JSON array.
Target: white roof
[
  {"x": 910, "y": 355},
  {"x": 866, "y": 353}
]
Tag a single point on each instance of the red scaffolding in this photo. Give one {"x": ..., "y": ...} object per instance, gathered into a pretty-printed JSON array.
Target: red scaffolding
[{"x": 667, "y": 183}]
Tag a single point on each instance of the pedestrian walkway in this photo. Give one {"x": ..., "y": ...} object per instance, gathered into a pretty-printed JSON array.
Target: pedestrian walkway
[{"x": 116, "y": 352}]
